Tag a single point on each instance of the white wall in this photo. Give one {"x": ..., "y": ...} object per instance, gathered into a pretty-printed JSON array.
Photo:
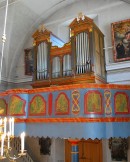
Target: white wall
[{"x": 107, "y": 13}]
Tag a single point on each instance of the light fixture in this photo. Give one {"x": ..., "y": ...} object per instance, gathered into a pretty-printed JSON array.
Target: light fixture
[{"x": 6, "y": 136}]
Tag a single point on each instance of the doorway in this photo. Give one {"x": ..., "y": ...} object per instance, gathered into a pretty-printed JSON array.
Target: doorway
[{"x": 89, "y": 151}]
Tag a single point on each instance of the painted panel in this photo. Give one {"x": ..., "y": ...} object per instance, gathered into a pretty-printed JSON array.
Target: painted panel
[
  {"x": 16, "y": 106},
  {"x": 62, "y": 104},
  {"x": 93, "y": 102},
  {"x": 3, "y": 107},
  {"x": 121, "y": 103},
  {"x": 37, "y": 106}
]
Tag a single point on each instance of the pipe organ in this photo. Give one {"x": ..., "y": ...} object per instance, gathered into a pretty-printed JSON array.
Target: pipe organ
[{"x": 80, "y": 60}]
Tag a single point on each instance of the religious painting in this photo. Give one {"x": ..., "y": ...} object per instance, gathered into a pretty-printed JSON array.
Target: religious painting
[
  {"x": 93, "y": 102},
  {"x": 118, "y": 147},
  {"x": 121, "y": 40},
  {"x": 28, "y": 62},
  {"x": 16, "y": 106},
  {"x": 37, "y": 106},
  {"x": 121, "y": 103},
  {"x": 62, "y": 104},
  {"x": 3, "y": 107}
]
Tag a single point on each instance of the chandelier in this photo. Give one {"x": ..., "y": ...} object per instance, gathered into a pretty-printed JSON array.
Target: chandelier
[{"x": 6, "y": 136}]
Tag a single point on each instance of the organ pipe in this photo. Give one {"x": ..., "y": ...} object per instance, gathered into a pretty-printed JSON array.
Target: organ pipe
[
  {"x": 42, "y": 61},
  {"x": 82, "y": 52}
]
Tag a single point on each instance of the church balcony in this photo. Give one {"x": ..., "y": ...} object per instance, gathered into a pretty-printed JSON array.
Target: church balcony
[{"x": 70, "y": 111}]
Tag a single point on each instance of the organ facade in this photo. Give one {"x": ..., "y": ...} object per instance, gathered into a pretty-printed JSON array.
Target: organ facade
[{"x": 81, "y": 60}]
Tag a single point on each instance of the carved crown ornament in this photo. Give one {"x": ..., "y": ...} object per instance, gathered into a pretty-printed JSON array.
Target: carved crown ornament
[
  {"x": 81, "y": 23},
  {"x": 42, "y": 34}
]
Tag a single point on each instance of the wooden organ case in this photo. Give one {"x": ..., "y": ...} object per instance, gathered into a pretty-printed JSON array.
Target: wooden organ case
[{"x": 81, "y": 60}]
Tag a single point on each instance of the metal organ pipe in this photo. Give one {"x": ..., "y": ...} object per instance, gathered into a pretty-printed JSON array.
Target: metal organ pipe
[
  {"x": 88, "y": 55},
  {"x": 64, "y": 65},
  {"x": 45, "y": 57},
  {"x": 42, "y": 61},
  {"x": 67, "y": 65},
  {"x": 86, "y": 51},
  {"x": 38, "y": 63},
  {"x": 56, "y": 67},
  {"x": 85, "y": 55},
  {"x": 82, "y": 61},
  {"x": 82, "y": 53},
  {"x": 76, "y": 55}
]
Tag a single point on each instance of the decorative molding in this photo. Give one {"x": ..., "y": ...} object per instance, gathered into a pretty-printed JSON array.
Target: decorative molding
[
  {"x": 75, "y": 95},
  {"x": 66, "y": 87},
  {"x": 17, "y": 80},
  {"x": 73, "y": 120},
  {"x": 118, "y": 66}
]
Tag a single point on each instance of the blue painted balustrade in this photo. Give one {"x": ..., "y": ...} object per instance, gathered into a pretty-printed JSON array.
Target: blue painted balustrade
[{"x": 76, "y": 111}]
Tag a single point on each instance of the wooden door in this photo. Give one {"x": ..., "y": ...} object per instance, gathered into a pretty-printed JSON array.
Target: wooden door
[{"x": 89, "y": 151}]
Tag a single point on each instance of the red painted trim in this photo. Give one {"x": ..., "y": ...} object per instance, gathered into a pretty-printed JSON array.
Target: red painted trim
[
  {"x": 73, "y": 120},
  {"x": 85, "y": 102},
  {"x": 23, "y": 108},
  {"x": 50, "y": 99},
  {"x": 127, "y": 98},
  {"x": 73, "y": 142},
  {"x": 37, "y": 114},
  {"x": 66, "y": 113},
  {"x": 66, "y": 87}
]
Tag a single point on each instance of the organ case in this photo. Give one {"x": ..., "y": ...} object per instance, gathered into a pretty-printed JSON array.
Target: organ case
[{"x": 81, "y": 60}]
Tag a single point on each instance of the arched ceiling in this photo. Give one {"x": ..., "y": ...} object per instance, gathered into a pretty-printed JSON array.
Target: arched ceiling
[{"x": 24, "y": 17}]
